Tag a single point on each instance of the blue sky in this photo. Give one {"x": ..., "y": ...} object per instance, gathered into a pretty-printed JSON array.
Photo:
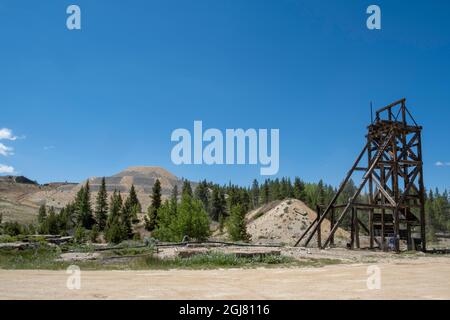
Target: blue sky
[{"x": 95, "y": 101}]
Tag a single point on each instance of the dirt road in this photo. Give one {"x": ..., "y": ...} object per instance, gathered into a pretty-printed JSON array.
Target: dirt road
[{"x": 425, "y": 278}]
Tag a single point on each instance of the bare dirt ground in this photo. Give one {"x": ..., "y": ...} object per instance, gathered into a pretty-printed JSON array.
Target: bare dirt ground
[{"x": 418, "y": 278}]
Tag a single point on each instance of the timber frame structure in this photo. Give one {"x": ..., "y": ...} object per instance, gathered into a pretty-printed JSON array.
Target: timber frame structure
[{"x": 391, "y": 162}]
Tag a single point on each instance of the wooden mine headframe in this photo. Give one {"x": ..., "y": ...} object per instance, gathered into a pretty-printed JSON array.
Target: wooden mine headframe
[{"x": 392, "y": 167}]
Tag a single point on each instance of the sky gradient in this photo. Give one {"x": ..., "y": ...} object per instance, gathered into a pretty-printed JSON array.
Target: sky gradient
[{"x": 95, "y": 101}]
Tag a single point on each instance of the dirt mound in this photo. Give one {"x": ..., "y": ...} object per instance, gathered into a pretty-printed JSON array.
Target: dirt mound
[{"x": 285, "y": 222}]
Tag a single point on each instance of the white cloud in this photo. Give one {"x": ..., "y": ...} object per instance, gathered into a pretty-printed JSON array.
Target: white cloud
[
  {"x": 7, "y": 134},
  {"x": 442, "y": 164},
  {"x": 6, "y": 151},
  {"x": 6, "y": 169},
  {"x": 49, "y": 147}
]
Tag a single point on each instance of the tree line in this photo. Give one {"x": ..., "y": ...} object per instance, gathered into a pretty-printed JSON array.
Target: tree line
[
  {"x": 188, "y": 213},
  {"x": 113, "y": 218}
]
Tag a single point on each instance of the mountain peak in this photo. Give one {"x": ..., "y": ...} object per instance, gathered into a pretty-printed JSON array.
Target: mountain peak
[{"x": 147, "y": 171}]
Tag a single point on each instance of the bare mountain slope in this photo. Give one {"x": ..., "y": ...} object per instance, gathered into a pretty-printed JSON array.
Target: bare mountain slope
[
  {"x": 15, "y": 192},
  {"x": 142, "y": 177}
]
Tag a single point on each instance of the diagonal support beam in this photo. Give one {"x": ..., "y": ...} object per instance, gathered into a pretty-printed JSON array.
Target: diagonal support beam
[
  {"x": 361, "y": 186},
  {"x": 336, "y": 196}
]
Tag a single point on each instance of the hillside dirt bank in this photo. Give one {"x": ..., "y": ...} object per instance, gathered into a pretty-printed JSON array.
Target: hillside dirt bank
[{"x": 420, "y": 278}]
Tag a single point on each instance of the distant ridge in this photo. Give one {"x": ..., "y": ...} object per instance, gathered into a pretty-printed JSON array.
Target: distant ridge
[{"x": 142, "y": 177}]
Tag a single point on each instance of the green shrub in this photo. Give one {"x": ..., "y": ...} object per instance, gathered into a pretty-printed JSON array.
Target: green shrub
[
  {"x": 79, "y": 235},
  {"x": 93, "y": 235},
  {"x": 189, "y": 218},
  {"x": 13, "y": 229},
  {"x": 115, "y": 234},
  {"x": 137, "y": 236},
  {"x": 6, "y": 238}
]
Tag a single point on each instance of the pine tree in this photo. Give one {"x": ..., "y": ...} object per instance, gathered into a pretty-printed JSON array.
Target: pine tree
[
  {"x": 79, "y": 235},
  {"x": 218, "y": 204},
  {"x": 101, "y": 209},
  {"x": 52, "y": 222},
  {"x": 234, "y": 197},
  {"x": 275, "y": 193},
  {"x": 114, "y": 231},
  {"x": 66, "y": 218},
  {"x": 42, "y": 215},
  {"x": 202, "y": 194},
  {"x": 152, "y": 212},
  {"x": 320, "y": 193},
  {"x": 134, "y": 201},
  {"x": 236, "y": 224},
  {"x": 245, "y": 200},
  {"x": 186, "y": 189},
  {"x": 132, "y": 205},
  {"x": 284, "y": 191},
  {"x": 83, "y": 207},
  {"x": 94, "y": 234},
  {"x": 265, "y": 194},
  {"x": 129, "y": 212},
  {"x": 299, "y": 188},
  {"x": 174, "y": 200},
  {"x": 255, "y": 194}
]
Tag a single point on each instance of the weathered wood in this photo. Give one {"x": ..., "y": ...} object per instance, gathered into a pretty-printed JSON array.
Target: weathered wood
[{"x": 395, "y": 168}]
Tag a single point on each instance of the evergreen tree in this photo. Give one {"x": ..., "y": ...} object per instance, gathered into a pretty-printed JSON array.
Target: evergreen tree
[
  {"x": 236, "y": 224},
  {"x": 218, "y": 204},
  {"x": 299, "y": 187},
  {"x": 321, "y": 193},
  {"x": 42, "y": 215},
  {"x": 255, "y": 194},
  {"x": 101, "y": 209},
  {"x": 275, "y": 192},
  {"x": 52, "y": 222},
  {"x": 127, "y": 214},
  {"x": 245, "y": 200},
  {"x": 134, "y": 201},
  {"x": 202, "y": 194},
  {"x": 114, "y": 231},
  {"x": 79, "y": 235},
  {"x": 132, "y": 206},
  {"x": 66, "y": 218},
  {"x": 265, "y": 194},
  {"x": 174, "y": 199},
  {"x": 186, "y": 189},
  {"x": 94, "y": 234},
  {"x": 234, "y": 197},
  {"x": 83, "y": 207},
  {"x": 152, "y": 212}
]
